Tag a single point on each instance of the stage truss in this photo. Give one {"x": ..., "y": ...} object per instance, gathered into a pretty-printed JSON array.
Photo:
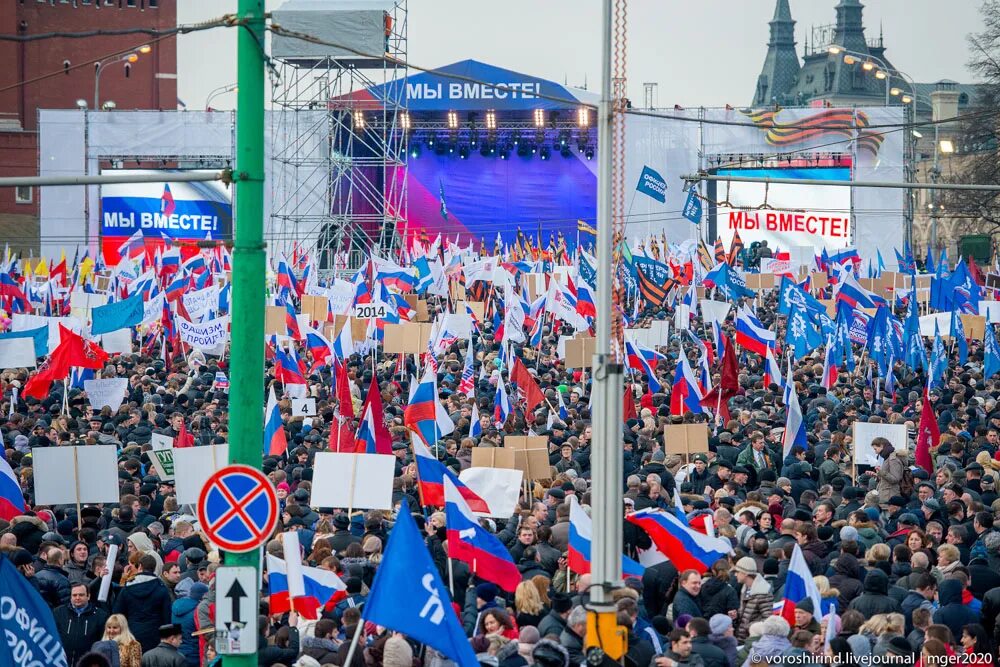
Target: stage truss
[{"x": 348, "y": 146}]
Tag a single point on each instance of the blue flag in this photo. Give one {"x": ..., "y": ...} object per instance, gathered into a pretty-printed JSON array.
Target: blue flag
[
  {"x": 652, "y": 184},
  {"x": 939, "y": 361},
  {"x": 692, "y": 206},
  {"x": 117, "y": 315},
  {"x": 408, "y": 595},
  {"x": 800, "y": 335},
  {"x": 958, "y": 333},
  {"x": 30, "y": 636},
  {"x": 991, "y": 352},
  {"x": 39, "y": 336}
]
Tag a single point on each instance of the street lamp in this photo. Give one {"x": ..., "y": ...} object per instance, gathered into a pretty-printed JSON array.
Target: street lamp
[
  {"x": 99, "y": 66},
  {"x": 868, "y": 63},
  {"x": 221, "y": 90}
]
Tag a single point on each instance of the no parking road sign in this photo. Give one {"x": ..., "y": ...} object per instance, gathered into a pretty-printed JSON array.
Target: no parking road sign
[{"x": 238, "y": 508}]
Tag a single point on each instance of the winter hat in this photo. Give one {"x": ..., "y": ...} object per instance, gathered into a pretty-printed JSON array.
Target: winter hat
[
  {"x": 771, "y": 566},
  {"x": 486, "y": 591},
  {"x": 746, "y": 565},
  {"x": 197, "y": 591},
  {"x": 682, "y": 620},
  {"x": 849, "y": 534},
  {"x": 397, "y": 652},
  {"x": 720, "y": 623},
  {"x": 900, "y": 646},
  {"x": 806, "y": 605},
  {"x": 548, "y": 653}
]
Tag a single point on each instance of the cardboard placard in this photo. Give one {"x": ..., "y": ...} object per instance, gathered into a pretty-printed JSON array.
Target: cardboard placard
[
  {"x": 406, "y": 338},
  {"x": 868, "y": 283},
  {"x": 685, "y": 439},
  {"x": 75, "y": 474},
  {"x": 887, "y": 281},
  {"x": 457, "y": 291},
  {"x": 974, "y": 325},
  {"x": 493, "y": 457},
  {"x": 193, "y": 466},
  {"x": 531, "y": 455},
  {"x": 992, "y": 281},
  {"x": 580, "y": 352},
  {"x": 758, "y": 281},
  {"x": 315, "y": 307},
  {"x": 819, "y": 280},
  {"x": 423, "y": 315},
  {"x": 358, "y": 481},
  {"x": 274, "y": 320},
  {"x": 478, "y": 308},
  {"x": 865, "y": 432},
  {"x": 359, "y": 328}
]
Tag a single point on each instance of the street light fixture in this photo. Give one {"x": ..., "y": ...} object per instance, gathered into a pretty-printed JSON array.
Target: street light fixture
[
  {"x": 895, "y": 92},
  {"x": 109, "y": 106},
  {"x": 880, "y": 74},
  {"x": 868, "y": 66},
  {"x": 835, "y": 50},
  {"x": 128, "y": 59},
  {"x": 144, "y": 49},
  {"x": 81, "y": 104},
  {"x": 850, "y": 60},
  {"x": 221, "y": 90},
  {"x": 868, "y": 63},
  {"x": 947, "y": 146}
]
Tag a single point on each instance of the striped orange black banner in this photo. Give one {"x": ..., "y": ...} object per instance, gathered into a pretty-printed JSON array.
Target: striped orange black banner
[{"x": 845, "y": 123}]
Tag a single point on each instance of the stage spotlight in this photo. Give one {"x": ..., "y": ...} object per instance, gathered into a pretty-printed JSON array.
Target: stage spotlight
[
  {"x": 404, "y": 121},
  {"x": 440, "y": 148},
  {"x": 589, "y": 153},
  {"x": 583, "y": 117},
  {"x": 563, "y": 138},
  {"x": 451, "y": 148},
  {"x": 566, "y": 151},
  {"x": 452, "y": 120},
  {"x": 504, "y": 153},
  {"x": 474, "y": 138},
  {"x": 523, "y": 150},
  {"x": 491, "y": 120},
  {"x": 430, "y": 141},
  {"x": 486, "y": 149},
  {"x": 463, "y": 152},
  {"x": 415, "y": 149},
  {"x": 517, "y": 138},
  {"x": 545, "y": 153},
  {"x": 539, "y": 117},
  {"x": 359, "y": 120}
]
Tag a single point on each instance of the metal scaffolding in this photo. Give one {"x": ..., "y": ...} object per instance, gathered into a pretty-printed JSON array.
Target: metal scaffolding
[{"x": 339, "y": 178}]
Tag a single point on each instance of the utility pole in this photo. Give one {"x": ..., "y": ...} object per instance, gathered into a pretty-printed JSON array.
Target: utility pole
[
  {"x": 246, "y": 394},
  {"x": 606, "y": 546}
]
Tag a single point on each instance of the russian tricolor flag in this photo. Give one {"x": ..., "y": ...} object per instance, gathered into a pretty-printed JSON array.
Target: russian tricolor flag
[
  {"x": 321, "y": 587},
  {"x": 580, "y": 537},
  {"x": 470, "y": 543},
  {"x": 431, "y": 474},
  {"x": 11, "y": 497},
  {"x": 751, "y": 333},
  {"x": 772, "y": 371},
  {"x": 423, "y": 416},
  {"x": 799, "y": 585},
  {"x": 686, "y": 548},
  {"x": 133, "y": 247},
  {"x": 275, "y": 442},
  {"x": 685, "y": 396},
  {"x": 501, "y": 405},
  {"x": 644, "y": 361}
]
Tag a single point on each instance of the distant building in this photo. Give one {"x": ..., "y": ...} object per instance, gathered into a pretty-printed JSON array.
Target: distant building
[
  {"x": 54, "y": 73},
  {"x": 840, "y": 66}
]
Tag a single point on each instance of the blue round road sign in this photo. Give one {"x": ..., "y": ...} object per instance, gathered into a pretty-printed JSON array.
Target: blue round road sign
[{"x": 238, "y": 508}]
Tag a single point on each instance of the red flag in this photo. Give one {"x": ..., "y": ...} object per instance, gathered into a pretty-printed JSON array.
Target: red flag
[
  {"x": 729, "y": 383},
  {"x": 976, "y": 274},
  {"x": 183, "y": 439},
  {"x": 928, "y": 435},
  {"x": 526, "y": 385},
  {"x": 341, "y": 436},
  {"x": 72, "y": 350},
  {"x": 647, "y": 399},
  {"x": 628, "y": 409},
  {"x": 343, "y": 389}
]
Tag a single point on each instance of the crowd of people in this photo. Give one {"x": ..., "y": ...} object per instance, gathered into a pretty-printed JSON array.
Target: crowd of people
[{"x": 906, "y": 559}]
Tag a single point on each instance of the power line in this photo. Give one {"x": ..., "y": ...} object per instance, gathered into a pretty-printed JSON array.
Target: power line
[
  {"x": 221, "y": 22},
  {"x": 227, "y": 19}
]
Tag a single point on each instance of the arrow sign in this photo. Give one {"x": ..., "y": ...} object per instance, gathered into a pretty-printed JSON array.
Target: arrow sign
[
  {"x": 236, "y": 594},
  {"x": 236, "y": 622}
]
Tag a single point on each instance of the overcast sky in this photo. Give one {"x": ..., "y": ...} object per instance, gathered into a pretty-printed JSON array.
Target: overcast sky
[{"x": 701, "y": 52}]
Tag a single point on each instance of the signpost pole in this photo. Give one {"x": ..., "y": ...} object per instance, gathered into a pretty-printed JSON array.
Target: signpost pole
[{"x": 246, "y": 418}]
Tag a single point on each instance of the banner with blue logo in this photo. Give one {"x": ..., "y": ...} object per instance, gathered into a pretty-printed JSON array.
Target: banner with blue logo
[
  {"x": 118, "y": 315},
  {"x": 176, "y": 209},
  {"x": 30, "y": 636},
  {"x": 692, "y": 206},
  {"x": 39, "y": 336},
  {"x": 652, "y": 184}
]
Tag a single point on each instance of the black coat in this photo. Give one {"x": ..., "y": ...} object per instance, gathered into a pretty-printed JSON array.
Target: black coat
[
  {"x": 552, "y": 624},
  {"x": 53, "y": 585},
  {"x": 711, "y": 655},
  {"x": 79, "y": 631},
  {"x": 875, "y": 599},
  {"x": 164, "y": 655},
  {"x": 952, "y": 612},
  {"x": 145, "y": 602},
  {"x": 717, "y": 597},
  {"x": 846, "y": 579},
  {"x": 640, "y": 650},
  {"x": 270, "y": 655},
  {"x": 340, "y": 540},
  {"x": 685, "y": 603},
  {"x": 656, "y": 583}
]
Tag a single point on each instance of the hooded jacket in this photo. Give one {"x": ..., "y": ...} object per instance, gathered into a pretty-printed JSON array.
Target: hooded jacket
[
  {"x": 951, "y": 611},
  {"x": 875, "y": 599},
  {"x": 846, "y": 579},
  {"x": 142, "y": 543},
  {"x": 756, "y": 604},
  {"x": 145, "y": 602}
]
